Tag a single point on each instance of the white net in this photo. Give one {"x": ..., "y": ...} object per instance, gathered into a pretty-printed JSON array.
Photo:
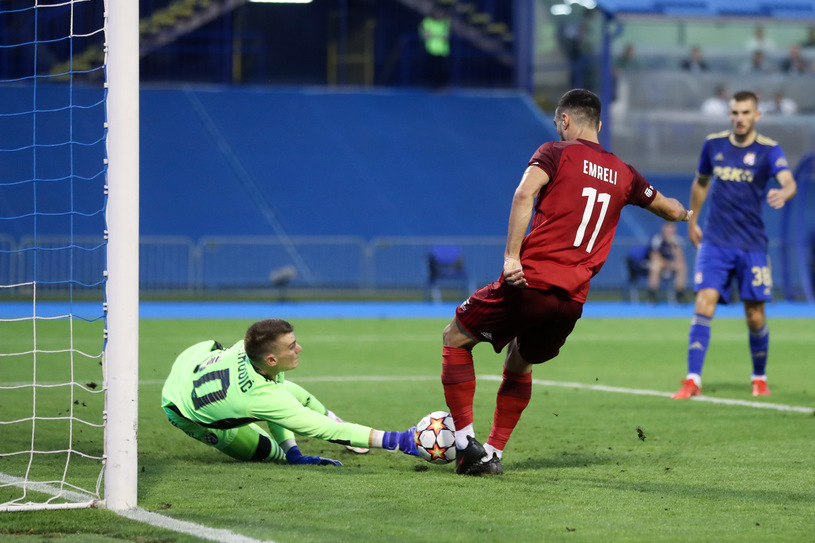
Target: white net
[{"x": 52, "y": 253}]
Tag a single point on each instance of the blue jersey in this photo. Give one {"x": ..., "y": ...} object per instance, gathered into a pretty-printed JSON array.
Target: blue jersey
[{"x": 738, "y": 190}]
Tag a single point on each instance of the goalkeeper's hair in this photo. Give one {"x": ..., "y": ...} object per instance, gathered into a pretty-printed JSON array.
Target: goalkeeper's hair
[
  {"x": 583, "y": 105},
  {"x": 260, "y": 336}
]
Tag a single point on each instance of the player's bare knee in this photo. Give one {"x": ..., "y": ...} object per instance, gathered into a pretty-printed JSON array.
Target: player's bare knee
[
  {"x": 754, "y": 315},
  {"x": 451, "y": 335},
  {"x": 454, "y": 336}
]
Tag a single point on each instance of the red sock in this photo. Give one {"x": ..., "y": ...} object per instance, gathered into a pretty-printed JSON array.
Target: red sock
[
  {"x": 458, "y": 378},
  {"x": 513, "y": 397}
]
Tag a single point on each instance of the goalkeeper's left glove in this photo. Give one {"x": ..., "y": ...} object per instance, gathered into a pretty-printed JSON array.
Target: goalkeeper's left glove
[
  {"x": 401, "y": 441},
  {"x": 294, "y": 456}
]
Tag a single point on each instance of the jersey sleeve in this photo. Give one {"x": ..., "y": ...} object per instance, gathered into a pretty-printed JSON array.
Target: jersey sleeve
[
  {"x": 278, "y": 407},
  {"x": 705, "y": 166},
  {"x": 545, "y": 158},
  {"x": 778, "y": 161},
  {"x": 306, "y": 399},
  {"x": 642, "y": 193}
]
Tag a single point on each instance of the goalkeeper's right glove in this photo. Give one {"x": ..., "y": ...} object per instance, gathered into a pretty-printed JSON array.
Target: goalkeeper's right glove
[{"x": 294, "y": 456}]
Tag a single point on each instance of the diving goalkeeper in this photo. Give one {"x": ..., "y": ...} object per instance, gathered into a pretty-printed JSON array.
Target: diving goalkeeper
[{"x": 217, "y": 396}]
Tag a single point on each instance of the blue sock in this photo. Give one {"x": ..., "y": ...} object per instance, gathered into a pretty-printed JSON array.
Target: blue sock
[
  {"x": 759, "y": 345},
  {"x": 698, "y": 340}
]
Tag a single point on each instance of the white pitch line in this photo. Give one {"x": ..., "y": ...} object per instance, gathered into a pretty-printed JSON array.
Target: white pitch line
[
  {"x": 137, "y": 513},
  {"x": 643, "y": 392},
  {"x": 182, "y": 526},
  {"x": 562, "y": 384}
]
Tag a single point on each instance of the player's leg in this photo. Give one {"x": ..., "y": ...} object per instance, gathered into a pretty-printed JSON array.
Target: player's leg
[
  {"x": 711, "y": 282},
  {"x": 458, "y": 380},
  {"x": 249, "y": 443},
  {"x": 512, "y": 398},
  {"x": 755, "y": 288},
  {"x": 552, "y": 318},
  {"x": 492, "y": 313},
  {"x": 759, "y": 345}
]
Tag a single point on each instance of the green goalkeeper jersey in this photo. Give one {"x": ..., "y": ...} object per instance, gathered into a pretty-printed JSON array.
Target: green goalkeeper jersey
[{"x": 220, "y": 388}]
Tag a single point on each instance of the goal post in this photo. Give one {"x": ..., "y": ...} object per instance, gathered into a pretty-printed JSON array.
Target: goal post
[
  {"x": 69, "y": 254},
  {"x": 121, "y": 354}
]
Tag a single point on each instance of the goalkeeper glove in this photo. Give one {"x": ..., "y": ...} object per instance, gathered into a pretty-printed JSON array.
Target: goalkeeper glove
[
  {"x": 294, "y": 456},
  {"x": 402, "y": 441}
]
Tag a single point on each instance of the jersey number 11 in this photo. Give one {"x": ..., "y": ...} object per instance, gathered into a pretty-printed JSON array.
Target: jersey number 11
[{"x": 592, "y": 198}]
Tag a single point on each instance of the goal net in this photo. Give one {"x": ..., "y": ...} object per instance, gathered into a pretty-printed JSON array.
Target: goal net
[{"x": 58, "y": 238}]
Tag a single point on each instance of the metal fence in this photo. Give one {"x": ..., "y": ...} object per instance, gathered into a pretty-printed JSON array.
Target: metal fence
[{"x": 185, "y": 266}]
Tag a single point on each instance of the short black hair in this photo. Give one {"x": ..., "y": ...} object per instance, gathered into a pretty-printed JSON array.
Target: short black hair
[
  {"x": 260, "y": 336},
  {"x": 743, "y": 96},
  {"x": 583, "y": 105}
]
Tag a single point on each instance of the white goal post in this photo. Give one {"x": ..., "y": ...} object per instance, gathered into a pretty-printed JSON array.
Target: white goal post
[
  {"x": 69, "y": 174},
  {"x": 121, "y": 356}
]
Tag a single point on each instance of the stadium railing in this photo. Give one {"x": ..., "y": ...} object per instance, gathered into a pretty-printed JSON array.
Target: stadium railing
[{"x": 176, "y": 265}]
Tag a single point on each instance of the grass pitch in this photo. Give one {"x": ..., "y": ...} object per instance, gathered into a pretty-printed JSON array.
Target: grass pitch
[{"x": 584, "y": 464}]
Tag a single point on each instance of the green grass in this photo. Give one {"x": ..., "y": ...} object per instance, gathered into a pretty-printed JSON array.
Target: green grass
[{"x": 575, "y": 468}]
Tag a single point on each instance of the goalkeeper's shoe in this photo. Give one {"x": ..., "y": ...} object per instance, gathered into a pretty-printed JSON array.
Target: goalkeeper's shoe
[
  {"x": 489, "y": 467},
  {"x": 689, "y": 388},
  {"x": 468, "y": 457},
  {"x": 760, "y": 388}
]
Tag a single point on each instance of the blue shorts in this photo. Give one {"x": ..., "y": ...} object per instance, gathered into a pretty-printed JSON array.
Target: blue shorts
[{"x": 717, "y": 267}]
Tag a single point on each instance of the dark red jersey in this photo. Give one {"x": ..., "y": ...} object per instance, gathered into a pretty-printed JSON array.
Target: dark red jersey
[{"x": 576, "y": 214}]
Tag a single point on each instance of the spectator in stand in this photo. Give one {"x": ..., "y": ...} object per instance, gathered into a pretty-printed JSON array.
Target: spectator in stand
[
  {"x": 759, "y": 41},
  {"x": 628, "y": 62},
  {"x": 779, "y": 105},
  {"x": 757, "y": 63},
  {"x": 667, "y": 261},
  {"x": 718, "y": 104},
  {"x": 794, "y": 63},
  {"x": 695, "y": 63}
]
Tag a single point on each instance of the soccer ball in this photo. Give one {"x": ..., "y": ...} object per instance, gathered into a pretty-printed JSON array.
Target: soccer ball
[{"x": 436, "y": 438}]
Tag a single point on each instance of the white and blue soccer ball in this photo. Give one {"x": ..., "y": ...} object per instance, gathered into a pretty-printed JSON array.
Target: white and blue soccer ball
[{"x": 436, "y": 438}]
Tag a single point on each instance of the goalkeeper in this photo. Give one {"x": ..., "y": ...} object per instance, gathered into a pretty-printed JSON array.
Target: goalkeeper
[{"x": 217, "y": 396}]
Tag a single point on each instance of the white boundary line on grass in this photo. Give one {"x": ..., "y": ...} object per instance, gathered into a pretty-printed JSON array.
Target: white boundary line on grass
[
  {"x": 641, "y": 392},
  {"x": 601, "y": 388},
  {"x": 182, "y": 526},
  {"x": 138, "y": 514}
]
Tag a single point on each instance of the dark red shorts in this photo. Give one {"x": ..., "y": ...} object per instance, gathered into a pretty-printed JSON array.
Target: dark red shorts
[{"x": 540, "y": 319}]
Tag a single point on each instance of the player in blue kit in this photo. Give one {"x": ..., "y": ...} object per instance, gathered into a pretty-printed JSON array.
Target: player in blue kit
[{"x": 740, "y": 163}]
